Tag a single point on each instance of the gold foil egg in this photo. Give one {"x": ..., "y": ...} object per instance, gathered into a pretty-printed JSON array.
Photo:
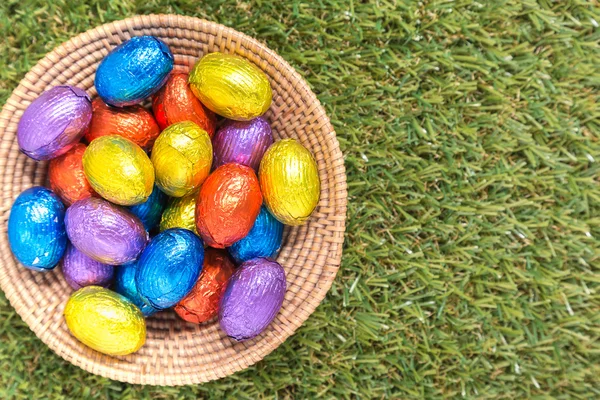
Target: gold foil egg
[
  {"x": 289, "y": 180},
  {"x": 105, "y": 321},
  {"x": 231, "y": 86},
  {"x": 118, "y": 170},
  {"x": 182, "y": 157},
  {"x": 180, "y": 213}
]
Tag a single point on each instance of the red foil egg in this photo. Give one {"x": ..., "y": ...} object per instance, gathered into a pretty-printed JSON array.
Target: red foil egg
[
  {"x": 228, "y": 203},
  {"x": 134, "y": 123},
  {"x": 202, "y": 303},
  {"x": 67, "y": 178},
  {"x": 175, "y": 102}
]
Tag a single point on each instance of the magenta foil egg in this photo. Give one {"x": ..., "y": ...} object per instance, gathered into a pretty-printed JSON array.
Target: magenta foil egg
[
  {"x": 242, "y": 142},
  {"x": 80, "y": 270},
  {"x": 54, "y": 122}
]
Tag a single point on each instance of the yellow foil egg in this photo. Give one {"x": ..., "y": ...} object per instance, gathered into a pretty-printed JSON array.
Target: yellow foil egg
[
  {"x": 118, "y": 170},
  {"x": 105, "y": 321},
  {"x": 180, "y": 213},
  {"x": 231, "y": 86},
  {"x": 289, "y": 180},
  {"x": 182, "y": 156}
]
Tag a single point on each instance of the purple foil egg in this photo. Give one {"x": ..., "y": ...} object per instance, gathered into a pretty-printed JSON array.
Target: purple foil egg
[
  {"x": 242, "y": 142},
  {"x": 104, "y": 231},
  {"x": 252, "y": 299},
  {"x": 79, "y": 270},
  {"x": 54, "y": 122}
]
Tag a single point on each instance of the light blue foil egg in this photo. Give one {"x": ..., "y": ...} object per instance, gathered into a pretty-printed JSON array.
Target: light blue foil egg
[
  {"x": 36, "y": 229},
  {"x": 133, "y": 71},
  {"x": 263, "y": 240},
  {"x": 169, "y": 267},
  {"x": 150, "y": 211},
  {"x": 125, "y": 285}
]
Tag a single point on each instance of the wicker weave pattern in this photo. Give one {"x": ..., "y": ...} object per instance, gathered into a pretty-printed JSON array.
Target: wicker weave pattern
[{"x": 177, "y": 353}]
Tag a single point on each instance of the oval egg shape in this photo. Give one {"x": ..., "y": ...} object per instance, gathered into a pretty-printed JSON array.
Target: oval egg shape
[
  {"x": 105, "y": 321},
  {"x": 169, "y": 267},
  {"x": 54, "y": 122},
  {"x": 133, "y": 70},
  {"x": 263, "y": 240},
  {"x": 36, "y": 229},
  {"x": 80, "y": 270},
  {"x": 182, "y": 156},
  {"x": 227, "y": 206},
  {"x": 252, "y": 298},
  {"x": 125, "y": 286},
  {"x": 105, "y": 232},
  {"x": 67, "y": 178},
  {"x": 242, "y": 142},
  {"x": 150, "y": 211},
  {"x": 180, "y": 213},
  {"x": 118, "y": 170},
  {"x": 289, "y": 179},
  {"x": 231, "y": 86},
  {"x": 202, "y": 303}
]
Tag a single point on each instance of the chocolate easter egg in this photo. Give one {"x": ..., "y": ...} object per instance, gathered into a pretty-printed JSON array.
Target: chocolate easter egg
[
  {"x": 80, "y": 270},
  {"x": 118, "y": 170},
  {"x": 36, "y": 229},
  {"x": 105, "y": 232},
  {"x": 289, "y": 179},
  {"x": 133, "y": 70},
  {"x": 150, "y": 211},
  {"x": 242, "y": 142},
  {"x": 252, "y": 298},
  {"x": 125, "y": 285},
  {"x": 202, "y": 303},
  {"x": 227, "y": 205},
  {"x": 67, "y": 178},
  {"x": 182, "y": 156},
  {"x": 169, "y": 267},
  {"x": 54, "y": 122},
  {"x": 231, "y": 86},
  {"x": 175, "y": 102},
  {"x": 134, "y": 123},
  {"x": 263, "y": 240},
  {"x": 105, "y": 321},
  {"x": 180, "y": 213}
]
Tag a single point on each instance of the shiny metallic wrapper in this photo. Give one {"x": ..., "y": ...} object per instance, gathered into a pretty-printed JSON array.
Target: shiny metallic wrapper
[
  {"x": 125, "y": 285},
  {"x": 180, "y": 213},
  {"x": 231, "y": 86},
  {"x": 263, "y": 240},
  {"x": 242, "y": 142},
  {"x": 67, "y": 178},
  {"x": 150, "y": 211},
  {"x": 80, "y": 270}
]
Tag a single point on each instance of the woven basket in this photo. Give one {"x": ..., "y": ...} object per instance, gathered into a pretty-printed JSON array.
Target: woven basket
[{"x": 178, "y": 353}]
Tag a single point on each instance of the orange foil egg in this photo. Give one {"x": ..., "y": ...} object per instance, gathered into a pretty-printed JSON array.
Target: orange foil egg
[
  {"x": 202, "y": 303},
  {"x": 228, "y": 203},
  {"x": 67, "y": 178},
  {"x": 134, "y": 123},
  {"x": 175, "y": 102}
]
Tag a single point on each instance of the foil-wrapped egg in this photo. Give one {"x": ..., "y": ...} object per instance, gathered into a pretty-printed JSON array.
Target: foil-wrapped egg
[
  {"x": 150, "y": 211},
  {"x": 67, "y": 178},
  {"x": 252, "y": 298},
  {"x": 289, "y": 179},
  {"x": 54, "y": 122},
  {"x": 105, "y": 321},
  {"x": 175, "y": 102},
  {"x": 202, "y": 303},
  {"x": 182, "y": 156},
  {"x": 80, "y": 270},
  {"x": 180, "y": 213},
  {"x": 263, "y": 240},
  {"x": 134, "y": 123},
  {"x": 227, "y": 206},
  {"x": 105, "y": 232},
  {"x": 125, "y": 285},
  {"x": 36, "y": 229},
  {"x": 242, "y": 142},
  {"x": 118, "y": 170},
  {"x": 134, "y": 70},
  {"x": 169, "y": 267},
  {"x": 231, "y": 86}
]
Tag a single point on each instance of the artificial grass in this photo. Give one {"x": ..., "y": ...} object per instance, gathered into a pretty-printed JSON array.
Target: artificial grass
[{"x": 471, "y": 135}]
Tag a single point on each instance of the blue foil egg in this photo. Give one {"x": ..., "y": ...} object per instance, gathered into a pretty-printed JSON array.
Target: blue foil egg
[
  {"x": 263, "y": 240},
  {"x": 150, "y": 211},
  {"x": 125, "y": 285},
  {"x": 36, "y": 229},
  {"x": 133, "y": 71},
  {"x": 169, "y": 267}
]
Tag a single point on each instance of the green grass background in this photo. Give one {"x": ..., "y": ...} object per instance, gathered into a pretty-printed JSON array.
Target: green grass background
[{"x": 471, "y": 136}]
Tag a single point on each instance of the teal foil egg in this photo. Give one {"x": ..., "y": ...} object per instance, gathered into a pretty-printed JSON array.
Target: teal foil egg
[
  {"x": 125, "y": 285},
  {"x": 263, "y": 240},
  {"x": 150, "y": 211}
]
